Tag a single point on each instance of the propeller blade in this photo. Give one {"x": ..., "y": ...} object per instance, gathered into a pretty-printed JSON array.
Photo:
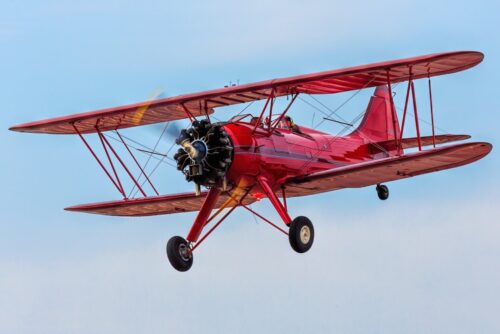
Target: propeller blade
[
  {"x": 171, "y": 132},
  {"x": 158, "y": 93}
]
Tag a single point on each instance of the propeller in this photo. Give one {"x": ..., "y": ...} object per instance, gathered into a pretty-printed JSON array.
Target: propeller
[{"x": 205, "y": 152}]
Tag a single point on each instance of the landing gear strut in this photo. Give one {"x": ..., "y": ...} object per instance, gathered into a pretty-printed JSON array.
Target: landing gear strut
[
  {"x": 301, "y": 234},
  {"x": 179, "y": 253},
  {"x": 382, "y": 191},
  {"x": 301, "y": 231}
]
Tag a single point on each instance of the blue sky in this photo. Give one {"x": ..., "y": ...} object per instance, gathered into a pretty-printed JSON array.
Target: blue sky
[{"x": 426, "y": 260}]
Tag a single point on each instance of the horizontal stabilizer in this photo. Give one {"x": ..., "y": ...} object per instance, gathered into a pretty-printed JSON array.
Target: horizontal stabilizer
[{"x": 390, "y": 145}]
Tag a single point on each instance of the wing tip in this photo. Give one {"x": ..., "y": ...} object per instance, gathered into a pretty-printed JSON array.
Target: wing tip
[
  {"x": 16, "y": 128},
  {"x": 488, "y": 146},
  {"x": 75, "y": 208},
  {"x": 24, "y": 127}
]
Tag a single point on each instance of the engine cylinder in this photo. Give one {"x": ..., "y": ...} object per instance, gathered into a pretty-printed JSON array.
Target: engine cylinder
[{"x": 206, "y": 153}]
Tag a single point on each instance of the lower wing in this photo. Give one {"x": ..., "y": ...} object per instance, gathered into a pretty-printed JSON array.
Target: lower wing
[
  {"x": 388, "y": 169},
  {"x": 353, "y": 176},
  {"x": 155, "y": 205}
]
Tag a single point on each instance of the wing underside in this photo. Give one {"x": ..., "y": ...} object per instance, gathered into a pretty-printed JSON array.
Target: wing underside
[
  {"x": 388, "y": 169},
  {"x": 153, "y": 205},
  {"x": 327, "y": 82}
]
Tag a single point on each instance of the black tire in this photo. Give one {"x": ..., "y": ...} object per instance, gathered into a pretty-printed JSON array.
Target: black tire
[
  {"x": 301, "y": 234},
  {"x": 179, "y": 254},
  {"x": 382, "y": 192}
]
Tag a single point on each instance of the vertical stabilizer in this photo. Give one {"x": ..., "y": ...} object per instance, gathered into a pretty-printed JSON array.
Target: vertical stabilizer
[{"x": 380, "y": 123}]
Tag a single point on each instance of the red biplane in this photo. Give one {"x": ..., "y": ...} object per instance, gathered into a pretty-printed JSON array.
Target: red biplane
[{"x": 250, "y": 157}]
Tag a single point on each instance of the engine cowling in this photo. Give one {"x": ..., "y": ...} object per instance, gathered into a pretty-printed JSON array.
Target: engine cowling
[{"x": 206, "y": 153}]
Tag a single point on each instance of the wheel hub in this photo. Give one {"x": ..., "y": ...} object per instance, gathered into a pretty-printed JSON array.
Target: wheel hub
[
  {"x": 305, "y": 234},
  {"x": 185, "y": 252}
]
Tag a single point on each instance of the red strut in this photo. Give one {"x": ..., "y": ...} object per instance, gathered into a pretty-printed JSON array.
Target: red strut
[
  {"x": 274, "y": 200},
  {"x": 206, "y": 208}
]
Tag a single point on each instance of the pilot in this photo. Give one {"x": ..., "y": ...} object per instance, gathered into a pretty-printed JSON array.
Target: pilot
[
  {"x": 254, "y": 121},
  {"x": 284, "y": 124},
  {"x": 291, "y": 125}
]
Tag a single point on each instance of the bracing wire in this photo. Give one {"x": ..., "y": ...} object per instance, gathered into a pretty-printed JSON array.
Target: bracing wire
[
  {"x": 424, "y": 120},
  {"x": 149, "y": 150},
  {"x": 149, "y": 175},
  {"x": 334, "y": 112},
  {"x": 156, "y": 167},
  {"x": 150, "y": 156},
  {"x": 246, "y": 107},
  {"x": 346, "y": 127}
]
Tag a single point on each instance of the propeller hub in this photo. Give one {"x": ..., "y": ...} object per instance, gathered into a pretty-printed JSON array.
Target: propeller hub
[{"x": 199, "y": 150}]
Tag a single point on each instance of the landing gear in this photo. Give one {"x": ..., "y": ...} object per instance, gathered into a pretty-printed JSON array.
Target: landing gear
[
  {"x": 179, "y": 254},
  {"x": 382, "y": 191},
  {"x": 301, "y": 234}
]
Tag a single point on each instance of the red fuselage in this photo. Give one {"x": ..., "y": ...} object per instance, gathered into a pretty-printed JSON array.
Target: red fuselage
[
  {"x": 284, "y": 153},
  {"x": 287, "y": 153}
]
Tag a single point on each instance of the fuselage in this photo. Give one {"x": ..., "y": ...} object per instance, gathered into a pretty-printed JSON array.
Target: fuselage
[{"x": 286, "y": 153}]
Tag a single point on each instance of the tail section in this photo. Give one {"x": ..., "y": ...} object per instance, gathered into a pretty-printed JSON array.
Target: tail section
[{"x": 380, "y": 122}]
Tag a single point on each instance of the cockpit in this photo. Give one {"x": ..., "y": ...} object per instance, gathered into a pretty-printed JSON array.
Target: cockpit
[
  {"x": 287, "y": 123},
  {"x": 283, "y": 123}
]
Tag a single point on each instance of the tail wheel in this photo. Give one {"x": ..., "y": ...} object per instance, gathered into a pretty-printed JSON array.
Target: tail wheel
[
  {"x": 301, "y": 234},
  {"x": 382, "y": 191},
  {"x": 179, "y": 253}
]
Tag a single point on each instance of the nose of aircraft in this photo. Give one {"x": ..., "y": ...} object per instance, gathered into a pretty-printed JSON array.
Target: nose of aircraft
[{"x": 205, "y": 154}]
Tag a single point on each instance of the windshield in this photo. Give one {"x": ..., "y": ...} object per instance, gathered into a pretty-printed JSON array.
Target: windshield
[{"x": 240, "y": 118}]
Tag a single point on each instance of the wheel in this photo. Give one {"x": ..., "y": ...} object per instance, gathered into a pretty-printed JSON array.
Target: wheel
[
  {"x": 301, "y": 234},
  {"x": 179, "y": 254},
  {"x": 382, "y": 191}
]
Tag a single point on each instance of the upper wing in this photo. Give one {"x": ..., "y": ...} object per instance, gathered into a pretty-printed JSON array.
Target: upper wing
[
  {"x": 327, "y": 82},
  {"x": 388, "y": 169},
  {"x": 155, "y": 205}
]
